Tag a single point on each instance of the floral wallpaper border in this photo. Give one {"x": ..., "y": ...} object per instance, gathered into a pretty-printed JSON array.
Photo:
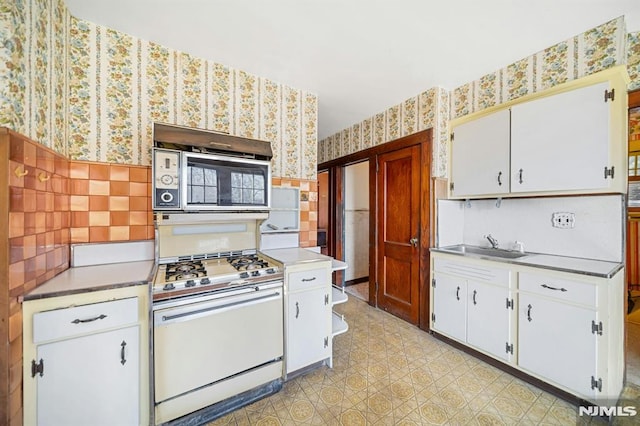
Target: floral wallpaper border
[
  {"x": 590, "y": 52},
  {"x": 92, "y": 93}
]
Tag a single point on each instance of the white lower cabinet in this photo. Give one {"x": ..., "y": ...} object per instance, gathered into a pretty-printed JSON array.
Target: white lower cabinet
[
  {"x": 563, "y": 328},
  {"x": 90, "y": 380},
  {"x": 308, "y": 336},
  {"x": 489, "y": 311},
  {"x": 472, "y": 303},
  {"x": 83, "y": 362},
  {"x": 449, "y": 313},
  {"x": 308, "y": 315},
  {"x": 556, "y": 342}
]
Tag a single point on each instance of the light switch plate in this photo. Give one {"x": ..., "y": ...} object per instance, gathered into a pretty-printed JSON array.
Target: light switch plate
[{"x": 564, "y": 220}]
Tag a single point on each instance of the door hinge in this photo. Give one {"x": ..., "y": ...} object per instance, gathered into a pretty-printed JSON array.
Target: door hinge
[
  {"x": 509, "y": 348},
  {"x": 37, "y": 368},
  {"x": 609, "y": 94},
  {"x": 433, "y": 282},
  {"x": 326, "y": 342},
  {"x": 326, "y": 299},
  {"x": 433, "y": 317},
  {"x": 452, "y": 136},
  {"x": 596, "y": 328},
  {"x": 608, "y": 172},
  {"x": 451, "y": 186},
  {"x": 596, "y": 384},
  {"x": 509, "y": 303}
]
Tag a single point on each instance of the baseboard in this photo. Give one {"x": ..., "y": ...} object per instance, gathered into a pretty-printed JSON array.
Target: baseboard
[{"x": 356, "y": 281}]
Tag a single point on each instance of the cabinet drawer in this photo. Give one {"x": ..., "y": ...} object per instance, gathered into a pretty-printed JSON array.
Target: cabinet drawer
[
  {"x": 562, "y": 289},
  {"x": 68, "y": 322},
  {"x": 472, "y": 271},
  {"x": 307, "y": 279}
]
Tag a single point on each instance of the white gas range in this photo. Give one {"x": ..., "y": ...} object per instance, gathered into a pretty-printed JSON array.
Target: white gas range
[{"x": 217, "y": 304}]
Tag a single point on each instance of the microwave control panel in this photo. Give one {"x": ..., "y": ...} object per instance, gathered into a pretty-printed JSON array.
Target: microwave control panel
[{"x": 166, "y": 179}]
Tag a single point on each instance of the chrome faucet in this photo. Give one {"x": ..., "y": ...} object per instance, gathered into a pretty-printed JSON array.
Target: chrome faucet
[{"x": 493, "y": 241}]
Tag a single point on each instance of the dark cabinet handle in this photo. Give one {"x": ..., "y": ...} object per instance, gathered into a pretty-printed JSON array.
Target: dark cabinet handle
[
  {"x": 499, "y": 178},
  {"x": 297, "y": 310},
  {"x": 78, "y": 321},
  {"x": 474, "y": 297},
  {"x": 529, "y": 313},
  {"x": 122, "y": 358},
  {"x": 458, "y": 293},
  {"x": 304, "y": 280},
  {"x": 520, "y": 176},
  {"x": 553, "y": 288}
]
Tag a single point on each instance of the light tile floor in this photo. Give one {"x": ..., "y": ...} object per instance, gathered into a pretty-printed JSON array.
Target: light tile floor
[
  {"x": 388, "y": 372},
  {"x": 360, "y": 290}
]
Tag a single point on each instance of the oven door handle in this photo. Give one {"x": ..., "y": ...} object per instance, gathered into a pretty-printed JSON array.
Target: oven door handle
[{"x": 184, "y": 316}]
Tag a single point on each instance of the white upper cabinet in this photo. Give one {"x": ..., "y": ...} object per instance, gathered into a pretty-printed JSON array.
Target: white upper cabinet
[
  {"x": 561, "y": 142},
  {"x": 480, "y": 156},
  {"x": 571, "y": 139}
]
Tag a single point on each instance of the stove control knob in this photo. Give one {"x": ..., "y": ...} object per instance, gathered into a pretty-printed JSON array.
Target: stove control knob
[
  {"x": 205, "y": 281},
  {"x": 168, "y": 287},
  {"x": 271, "y": 271},
  {"x": 255, "y": 274},
  {"x": 190, "y": 283},
  {"x": 244, "y": 275}
]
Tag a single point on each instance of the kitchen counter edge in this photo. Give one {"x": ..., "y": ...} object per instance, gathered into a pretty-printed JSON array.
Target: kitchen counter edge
[
  {"x": 83, "y": 279},
  {"x": 537, "y": 260}
]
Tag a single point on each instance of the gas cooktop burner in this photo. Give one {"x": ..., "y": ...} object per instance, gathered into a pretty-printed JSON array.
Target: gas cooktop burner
[
  {"x": 250, "y": 262},
  {"x": 184, "y": 270},
  {"x": 212, "y": 274}
]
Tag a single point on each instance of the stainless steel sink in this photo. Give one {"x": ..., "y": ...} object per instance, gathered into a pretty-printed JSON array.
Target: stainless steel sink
[{"x": 484, "y": 251}]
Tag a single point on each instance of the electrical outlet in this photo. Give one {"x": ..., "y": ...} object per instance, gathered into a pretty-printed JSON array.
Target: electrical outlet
[{"x": 563, "y": 220}]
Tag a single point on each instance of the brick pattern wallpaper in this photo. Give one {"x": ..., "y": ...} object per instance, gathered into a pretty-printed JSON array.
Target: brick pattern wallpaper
[
  {"x": 308, "y": 208},
  {"x": 38, "y": 239},
  {"x": 110, "y": 202}
]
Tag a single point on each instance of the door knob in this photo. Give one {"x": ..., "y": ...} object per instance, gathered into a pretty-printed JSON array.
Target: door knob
[{"x": 414, "y": 242}]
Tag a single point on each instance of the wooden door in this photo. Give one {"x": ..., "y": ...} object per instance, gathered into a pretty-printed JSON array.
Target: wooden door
[{"x": 398, "y": 233}]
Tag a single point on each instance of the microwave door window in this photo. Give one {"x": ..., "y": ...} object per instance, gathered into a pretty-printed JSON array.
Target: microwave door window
[
  {"x": 248, "y": 188},
  {"x": 202, "y": 186}
]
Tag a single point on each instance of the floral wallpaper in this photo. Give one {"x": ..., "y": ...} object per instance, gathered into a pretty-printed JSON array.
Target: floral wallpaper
[
  {"x": 93, "y": 93},
  {"x": 600, "y": 48}
]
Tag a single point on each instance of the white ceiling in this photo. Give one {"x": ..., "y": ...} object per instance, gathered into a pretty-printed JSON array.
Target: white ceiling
[{"x": 359, "y": 56}]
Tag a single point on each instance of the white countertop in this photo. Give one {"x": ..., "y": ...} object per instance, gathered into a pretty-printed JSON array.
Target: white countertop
[
  {"x": 289, "y": 256},
  {"x": 598, "y": 268},
  {"x": 94, "y": 278}
]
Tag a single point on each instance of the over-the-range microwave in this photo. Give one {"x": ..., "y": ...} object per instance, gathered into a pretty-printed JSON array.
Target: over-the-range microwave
[{"x": 196, "y": 181}]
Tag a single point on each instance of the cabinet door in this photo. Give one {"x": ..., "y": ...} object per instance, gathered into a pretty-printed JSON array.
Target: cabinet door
[
  {"x": 480, "y": 156},
  {"x": 561, "y": 142},
  {"x": 556, "y": 342},
  {"x": 86, "y": 382},
  {"x": 308, "y": 328},
  {"x": 488, "y": 319},
  {"x": 450, "y": 306}
]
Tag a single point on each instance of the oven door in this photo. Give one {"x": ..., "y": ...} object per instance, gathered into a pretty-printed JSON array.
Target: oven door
[
  {"x": 213, "y": 182},
  {"x": 200, "y": 343}
]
